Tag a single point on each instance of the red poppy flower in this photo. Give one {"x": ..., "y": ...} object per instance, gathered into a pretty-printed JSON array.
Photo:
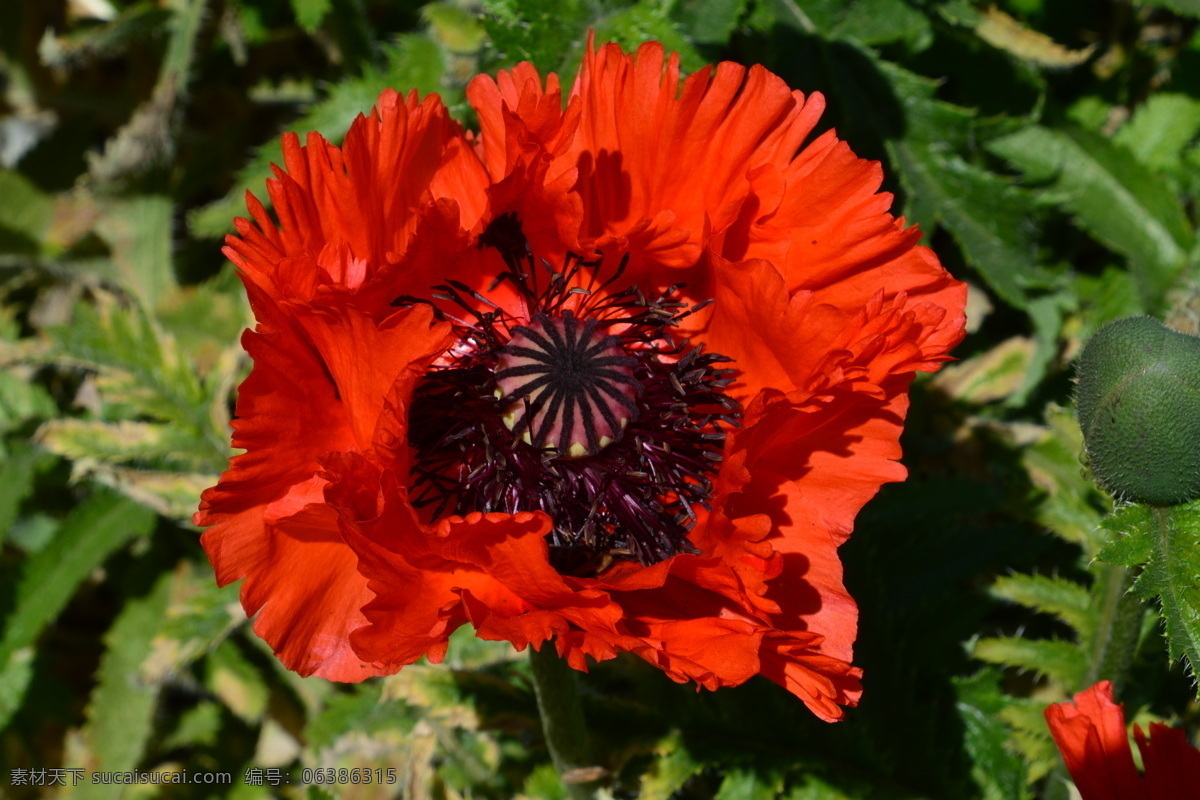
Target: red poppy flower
[
  {"x": 1093, "y": 741},
  {"x": 617, "y": 372}
]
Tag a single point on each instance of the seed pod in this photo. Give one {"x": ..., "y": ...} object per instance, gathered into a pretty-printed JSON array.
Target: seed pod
[{"x": 1139, "y": 406}]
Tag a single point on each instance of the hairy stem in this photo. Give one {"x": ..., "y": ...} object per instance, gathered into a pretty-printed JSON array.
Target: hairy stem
[
  {"x": 1115, "y": 640},
  {"x": 557, "y": 690},
  {"x": 1113, "y": 645}
]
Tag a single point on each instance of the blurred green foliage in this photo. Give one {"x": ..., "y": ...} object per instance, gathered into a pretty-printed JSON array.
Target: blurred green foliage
[{"x": 1050, "y": 151}]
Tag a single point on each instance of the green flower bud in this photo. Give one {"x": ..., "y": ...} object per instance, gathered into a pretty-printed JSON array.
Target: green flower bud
[{"x": 1139, "y": 407}]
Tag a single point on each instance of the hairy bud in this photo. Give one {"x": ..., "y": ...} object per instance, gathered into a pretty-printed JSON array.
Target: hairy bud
[{"x": 1139, "y": 407}]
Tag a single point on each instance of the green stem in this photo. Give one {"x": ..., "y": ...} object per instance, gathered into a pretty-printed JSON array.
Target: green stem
[
  {"x": 557, "y": 690},
  {"x": 1113, "y": 646},
  {"x": 1115, "y": 640}
]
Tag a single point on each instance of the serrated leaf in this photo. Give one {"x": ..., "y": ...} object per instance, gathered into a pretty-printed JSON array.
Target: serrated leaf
[
  {"x": 1172, "y": 570},
  {"x": 1005, "y": 33},
  {"x": 748, "y": 784},
  {"x": 673, "y": 765},
  {"x": 175, "y": 495},
  {"x": 982, "y": 211},
  {"x": 414, "y": 62},
  {"x": 311, "y": 13},
  {"x": 631, "y": 26},
  {"x": 710, "y": 21},
  {"x": 140, "y": 367},
  {"x": 1027, "y": 718},
  {"x": 544, "y": 784},
  {"x": 138, "y": 231},
  {"x": 1160, "y": 129},
  {"x": 237, "y": 682},
  {"x": 363, "y": 708},
  {"x": 1071, "y": 506},
  {"x": 1063, "y": 598},
  {"x": 124, "y": 442},
  {"x": 1132, "y": 543},
  {"x": 198, "y": 726},
  {"x": 993, "y": 375},
  {"x": 93, "y": 530},
  {"x": 869, "y": 22},
  {"x": 15, "y": 677},
  {"x": 199, "y": 618},
  {"x": 25, "y": 213},
  {"x": 455, "y": 27},
  {"x": 21, "y": 399},
  {"x": 16, "y": 482},
  {"x": 551, "y": 37},
  {"x": 137, "y": 23},
  {"x": 1057, "y": 659},
  {"x": 120, "y": 712},
  {"x": 434, "y": 690},
  {"x": 998, "y": 771},
  {"x": 1115, "y": 198}
]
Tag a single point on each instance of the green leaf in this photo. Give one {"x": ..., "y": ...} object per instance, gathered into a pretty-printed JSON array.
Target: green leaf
[
  {"x": 872, "y": 22},
  {"x": 630, "y": 27},
  {"x": 311, "y": 13},
  {"x": 120, "y": 714},
  {"x": 124, "y": 442},
  {"x": 172, "y": 494},
  {"x": 138, "y": 231},
  {"x": 1133, "y": 544},
  {"x": 1027, "y": 718},
  {"x": 16, "y": 482},
  {"x": 672, "y": 767},
  {"x": 550, "y": 36},
  {"x": 983, "y": 212},
  {"x": 137, "y": 23},
  {"x": 747, "y": 784},
  {"x": 710, "y": 21},
  {"x": 15, "y": 677},
  {"x": 1063, "y": 598},
  {"x": 1168, "y": 540},
  {"x": 414, "y": 62},
  {"x": 1070, "y": 505},
  {"x": 198, "y": 726},
  {"x": 93, "y": 530},
  {"x": 22, "y": 400},
  {"x": 200, "y": 617},
  {"x": 25, "y": 213},
  {"x": 996, "y": 768},
  {"x": 1112, "y": 196},
  {"x": 360, "y": 709},
  {"x": 1189, "y": 8},
  {"x": 986, "y": 214},
  {"x": 141, "y": 373},
  {"x": 1160, "y": 130},
  {"x": 1057, "y": 659},
  {"x": 454, "y": 26},
  {"x": 544, "y": 784},
  {"x": 237, "y": 682},
  {"x": 1005, "y": 33}
]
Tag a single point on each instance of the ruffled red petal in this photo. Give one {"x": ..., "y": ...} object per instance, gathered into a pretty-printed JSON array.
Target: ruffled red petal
[
  {"x": 1091, "y": 735},
  {"x": 825, "y": 303},
  {"x": 268, "y": 524},
  {"x": 662, "y": 163},
  {"x": 345, "y": 212}
]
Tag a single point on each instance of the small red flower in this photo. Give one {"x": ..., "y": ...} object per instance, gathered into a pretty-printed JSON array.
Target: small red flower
[
  {"x": 1093, "y": 741},
  {"x": 619, "y": 373}
]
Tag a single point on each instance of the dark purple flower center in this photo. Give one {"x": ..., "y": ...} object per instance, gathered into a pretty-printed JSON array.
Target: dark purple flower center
[
  {"x": 590, "y": 410},
  {"x": 566, "y": 386}
]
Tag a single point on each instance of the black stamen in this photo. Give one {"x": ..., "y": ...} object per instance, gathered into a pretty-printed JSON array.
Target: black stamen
[{"x": 613, "y": 435}]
